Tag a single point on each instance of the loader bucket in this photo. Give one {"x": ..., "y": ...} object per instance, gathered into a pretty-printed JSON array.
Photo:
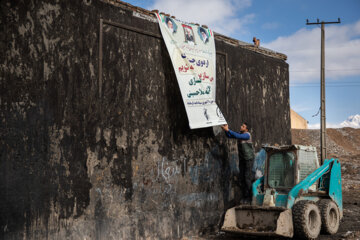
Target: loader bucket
[{"x": 260, "y": 221}]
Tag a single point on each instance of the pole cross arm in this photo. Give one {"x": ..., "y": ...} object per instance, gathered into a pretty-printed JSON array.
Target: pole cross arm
[{"x": 322, "y": 22}]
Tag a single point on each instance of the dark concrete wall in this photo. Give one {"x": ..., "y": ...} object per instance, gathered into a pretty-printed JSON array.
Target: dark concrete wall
[{"x": 115, "y": 159}]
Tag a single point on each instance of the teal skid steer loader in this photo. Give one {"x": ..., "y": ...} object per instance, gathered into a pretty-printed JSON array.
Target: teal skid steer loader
[{"x": 295, "y": 196}]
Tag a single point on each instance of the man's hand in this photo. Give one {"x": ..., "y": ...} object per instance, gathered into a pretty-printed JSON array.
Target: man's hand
[{"x": 225, "y": 127}]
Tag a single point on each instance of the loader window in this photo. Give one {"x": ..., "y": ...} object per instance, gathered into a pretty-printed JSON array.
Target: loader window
[{"x": 281, "y": 170}]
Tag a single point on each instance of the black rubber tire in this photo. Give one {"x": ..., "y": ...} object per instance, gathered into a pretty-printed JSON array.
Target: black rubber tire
[
  {"x": 330, "y": 216},
  {"x": 306, "y": 220}
]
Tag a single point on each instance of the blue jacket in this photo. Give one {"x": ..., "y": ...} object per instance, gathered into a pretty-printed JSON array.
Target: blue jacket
[
  {"x": 241, "y": 136},
  {"x": 245, "y": 147}
]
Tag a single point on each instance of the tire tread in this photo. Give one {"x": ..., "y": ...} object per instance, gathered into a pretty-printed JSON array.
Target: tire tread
[
  {"x": 323, "y": 205},
  {"x": 299, "y": 221}
]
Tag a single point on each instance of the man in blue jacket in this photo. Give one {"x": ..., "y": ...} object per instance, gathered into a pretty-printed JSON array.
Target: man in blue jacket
[{"x": 246, "y": 158}]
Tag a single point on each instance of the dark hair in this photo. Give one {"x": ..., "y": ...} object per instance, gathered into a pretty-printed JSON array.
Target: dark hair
[{"x": 247, "y": 125}]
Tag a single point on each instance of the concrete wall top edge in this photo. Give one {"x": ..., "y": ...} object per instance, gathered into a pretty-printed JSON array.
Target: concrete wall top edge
[{"x": 149, "y": 15}]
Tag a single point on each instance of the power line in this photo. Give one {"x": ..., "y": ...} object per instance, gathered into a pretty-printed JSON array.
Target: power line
[
  {"x": 333, "y": 70},
  {"x": 330, "y": 86},
  {"x": 331, "y": 83},
  {"x": 340, "y": 84},
  {"x": 328, "y": 70}
]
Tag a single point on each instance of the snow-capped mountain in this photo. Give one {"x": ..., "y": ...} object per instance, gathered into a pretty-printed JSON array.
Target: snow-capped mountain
[{"x": 352, "y": 121}]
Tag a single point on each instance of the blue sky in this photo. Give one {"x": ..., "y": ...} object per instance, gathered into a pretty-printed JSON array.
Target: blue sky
[{"x": 281, "y": 26}]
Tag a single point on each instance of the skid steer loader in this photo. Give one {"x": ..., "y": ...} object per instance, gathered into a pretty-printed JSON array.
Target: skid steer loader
[{"x": 295, "y": 196}]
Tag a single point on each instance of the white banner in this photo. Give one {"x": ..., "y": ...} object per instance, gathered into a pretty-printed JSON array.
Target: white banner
[{"x": 192, "y": 52}]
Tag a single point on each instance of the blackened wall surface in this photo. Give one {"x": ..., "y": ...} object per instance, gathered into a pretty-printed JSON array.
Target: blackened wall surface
[{"x": 83, "y": 158}]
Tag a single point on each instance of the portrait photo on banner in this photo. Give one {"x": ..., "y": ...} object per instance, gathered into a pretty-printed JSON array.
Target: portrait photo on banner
[
  {"x": 189, "y": 34},
  {"x": 203, "y": 33},
  {"x": 171, "y": 25}
]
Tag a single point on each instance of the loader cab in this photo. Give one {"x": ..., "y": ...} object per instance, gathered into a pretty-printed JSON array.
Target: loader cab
[
  {"x": 281, "y": 170},
  {"x": 286, "y": 166}
]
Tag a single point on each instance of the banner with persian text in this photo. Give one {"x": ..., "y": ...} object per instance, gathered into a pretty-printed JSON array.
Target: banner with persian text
[{"x": 192, "y": 52}]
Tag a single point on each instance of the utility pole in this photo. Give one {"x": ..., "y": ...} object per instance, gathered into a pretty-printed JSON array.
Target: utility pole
[{"x": 322, "y": 91}]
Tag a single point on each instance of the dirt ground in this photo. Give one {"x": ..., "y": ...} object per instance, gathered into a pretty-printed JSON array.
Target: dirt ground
[{"x": 343, "y": 144}]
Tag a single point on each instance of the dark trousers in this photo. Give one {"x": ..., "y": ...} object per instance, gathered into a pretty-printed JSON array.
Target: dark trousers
[{"x": 246, "y": 177}]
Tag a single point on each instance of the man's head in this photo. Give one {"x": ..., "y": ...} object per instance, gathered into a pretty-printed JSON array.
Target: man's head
[{"x": 244, "y": 127}]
